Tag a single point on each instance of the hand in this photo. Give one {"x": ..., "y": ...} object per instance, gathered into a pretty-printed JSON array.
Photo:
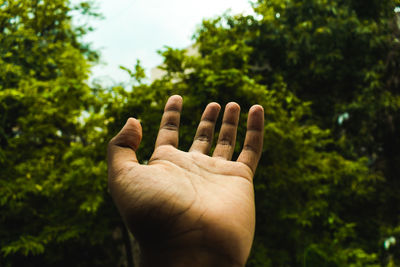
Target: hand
[{"x": 187, "y": 208}]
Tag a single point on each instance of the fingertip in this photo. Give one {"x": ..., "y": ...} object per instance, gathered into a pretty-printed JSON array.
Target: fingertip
[
  {"x": 174, "y": 103},
  {"x": 133, "y": 123},
  {"x": 256, "y": 108},
  {"x": 211, "y": 112},
  {"x": 233, "y": 106},
  {"x": 214, "y": 106},
  {"x": 257, "y": 111},
  {"x": 176, "y": 98},
  {"x": 122, "y": 147},
  {"x": 255, "y": 119},
  {"x": 133, "y": 129}
]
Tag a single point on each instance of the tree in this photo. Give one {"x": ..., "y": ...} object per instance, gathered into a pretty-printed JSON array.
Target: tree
[
  {"x": 325, "y": 188},
  {"x": 325, "y": 72},
  {"x": 301, "y": 185},
  {"x": 55, "y": 209},
  {"x": 339, "y": 55}
]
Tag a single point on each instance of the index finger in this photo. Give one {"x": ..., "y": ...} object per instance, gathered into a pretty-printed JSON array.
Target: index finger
[{"x": 169, "y": 126}]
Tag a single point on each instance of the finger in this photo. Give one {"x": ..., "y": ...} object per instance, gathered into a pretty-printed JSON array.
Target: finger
[
  {"x": 205, "y": 132},
  {"x": 227, "y": 135},
  {"x": 169, "y": 127},
  {"x": 253, "y": 142},
  {"x": 121, "y": 149}
]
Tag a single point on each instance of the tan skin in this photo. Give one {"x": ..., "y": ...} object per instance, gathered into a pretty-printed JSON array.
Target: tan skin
[{"x": 189, "y": 208}]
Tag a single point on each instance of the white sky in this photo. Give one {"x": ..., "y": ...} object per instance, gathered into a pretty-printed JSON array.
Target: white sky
[{"x": 136, "y": 29}]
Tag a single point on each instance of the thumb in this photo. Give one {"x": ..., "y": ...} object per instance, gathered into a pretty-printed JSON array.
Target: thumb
[{"x": 121, "y": 149}]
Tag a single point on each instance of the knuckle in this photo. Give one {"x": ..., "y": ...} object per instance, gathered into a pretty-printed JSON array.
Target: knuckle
[
  {"x": 203, "y": 138},
  {"x": 225, "y": 142},
  {"x": 170, "y": 126}
]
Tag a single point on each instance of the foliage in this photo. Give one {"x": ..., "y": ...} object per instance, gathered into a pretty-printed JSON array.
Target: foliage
[
  {"x": 325, "y": 71},
  {"x": 302, "y": 187},
  {"x": 339, "y": 56},
  {"x": 325, "y": 192},
  {"x": 53, "y": 193}
]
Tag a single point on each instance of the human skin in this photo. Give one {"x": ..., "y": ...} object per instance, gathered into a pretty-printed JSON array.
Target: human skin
[{"x": 189, "y": 208}]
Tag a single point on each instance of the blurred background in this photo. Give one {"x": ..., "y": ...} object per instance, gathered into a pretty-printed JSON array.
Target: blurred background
[{"x": 326, "y": 71}]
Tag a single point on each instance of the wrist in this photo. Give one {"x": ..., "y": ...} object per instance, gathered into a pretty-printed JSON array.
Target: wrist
[{"x": 177, "y": 257}]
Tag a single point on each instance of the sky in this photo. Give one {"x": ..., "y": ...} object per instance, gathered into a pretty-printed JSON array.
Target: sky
[{"x": 136, "y": 29}]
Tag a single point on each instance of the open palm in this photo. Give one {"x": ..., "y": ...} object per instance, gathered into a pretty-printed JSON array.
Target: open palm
[{"x": 188, "y": 207}]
